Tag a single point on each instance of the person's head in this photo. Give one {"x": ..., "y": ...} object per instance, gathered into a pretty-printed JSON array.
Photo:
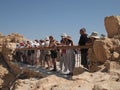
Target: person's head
[
  {"x": 51, "y": 38},
  {"x": 94, "y": 35},
  {"x": 69, "y": 37},
  {"x": 41, "y": 40},
  {"x": 36, "y": 40},
  {"x": 64, "y": 35},
  {"x": 82, "y": 31},
  {"x": 28, "y": 42},
  {"x": 46, "y": 38}
]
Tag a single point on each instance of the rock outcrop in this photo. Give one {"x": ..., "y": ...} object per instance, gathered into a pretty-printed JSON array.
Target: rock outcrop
[
  {"x": 84, "y": 81},
  {"x": 102, "y": 49},
  {"x": 112, "y": 25},
  {"x": 3, "y": 72},
  {"x": 105, "y": 49}
]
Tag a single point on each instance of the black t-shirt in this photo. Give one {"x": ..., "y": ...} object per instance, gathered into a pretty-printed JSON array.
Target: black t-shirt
[{"x": 82, "y": 41}]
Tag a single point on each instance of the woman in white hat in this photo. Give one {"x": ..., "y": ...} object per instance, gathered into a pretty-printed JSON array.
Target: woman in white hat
[
  {"x": 94, "y": 36},
  {"x": 63, "y": 57},
  {"x": 92, "y": 59},
  {"x": 70, "y": 56}
]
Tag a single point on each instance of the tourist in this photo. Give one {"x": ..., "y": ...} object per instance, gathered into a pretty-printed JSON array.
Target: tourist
[
  {"x": 47, "y": 53},
  {"x": 29, "y": 59},
  {"x": 92, "y": 59},
  {"x": 37, "y": 52},
  {"x": 94, "y": 36},
  {"x": 53, "y": 52},
  {"x": 42, "y": 54},
  {"x": 82, "y": 41},
  {"x": 22, "y": 53},
  {"x": 63, "y": 53},
  {"x": 70, "y": 56}
]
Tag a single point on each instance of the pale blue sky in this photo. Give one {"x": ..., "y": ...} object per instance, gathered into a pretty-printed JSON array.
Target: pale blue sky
[{"x": 36, "y": 19}]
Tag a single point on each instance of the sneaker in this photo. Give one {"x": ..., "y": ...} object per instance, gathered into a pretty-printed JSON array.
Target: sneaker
[
  {"x": 71, "y": 74},
  {"x": 60, "y": 71},
  {"x": 53, "y": 70},
  {"x": 47, "y": 68}
]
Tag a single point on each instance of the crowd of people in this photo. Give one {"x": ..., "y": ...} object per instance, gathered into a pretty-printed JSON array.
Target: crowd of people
[{"x": 47, "y": 58}]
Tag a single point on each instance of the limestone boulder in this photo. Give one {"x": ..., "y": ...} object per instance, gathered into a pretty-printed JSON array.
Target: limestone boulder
[
  {"x": 13, "y": 37},
  {"x": 112, "y": 25},
  {"x": 8, "y": 51},
  {"x": 3, "y": 72},
  {"x": 102, "y": 48},
  {"x": 112, "y": 65},
  {"x": 106, "y": 49},
  {"x": 27, "y": 84},
  {"x": 115, "y": 56},
  {"x": 116, "y": 45},
  {"x": 107, "y": 85}
]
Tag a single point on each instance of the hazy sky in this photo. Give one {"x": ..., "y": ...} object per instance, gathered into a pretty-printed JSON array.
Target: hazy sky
[{"x": 36, "y": 19}]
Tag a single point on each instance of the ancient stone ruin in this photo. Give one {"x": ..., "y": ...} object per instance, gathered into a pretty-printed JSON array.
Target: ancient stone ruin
[{"x": 103, "y": 75}]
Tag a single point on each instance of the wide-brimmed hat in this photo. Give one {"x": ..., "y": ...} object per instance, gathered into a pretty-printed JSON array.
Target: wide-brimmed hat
[
  {"x": 47, "y": 38},
  {"x": 69, "y": 37},
  {"x": 94, "y": 35},
  {"x": 64, "y": 35}
]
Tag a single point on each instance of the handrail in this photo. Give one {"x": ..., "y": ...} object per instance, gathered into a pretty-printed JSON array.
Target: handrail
[{"x": 52, "y": 48}]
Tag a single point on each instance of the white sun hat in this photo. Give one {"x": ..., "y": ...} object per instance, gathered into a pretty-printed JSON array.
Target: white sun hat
[
  {"x": 46, "y": 38},
  {"x": 64, "y": 35},
  {"x": 94, "y": 35}
]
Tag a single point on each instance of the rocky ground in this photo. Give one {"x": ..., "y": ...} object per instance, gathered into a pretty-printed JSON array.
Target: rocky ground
[{"x": 82, "y": 80}]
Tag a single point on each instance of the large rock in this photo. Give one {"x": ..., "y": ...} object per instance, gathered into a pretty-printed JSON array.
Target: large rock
[
  {"x": 8, "y": 51},
  {"x": 102, "y": 49},
  {"x": 115, "y": 56},
  {"x": 13, "y": 37},
  {"x": 107, "y": 85},
  {"x": 112, "y": 25},
  {"x": 116, "y": 45},
  {"x": 3, "y": 72},
  {"x": 112, "y": 65},
  {"x": 106, "y": 49}
]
